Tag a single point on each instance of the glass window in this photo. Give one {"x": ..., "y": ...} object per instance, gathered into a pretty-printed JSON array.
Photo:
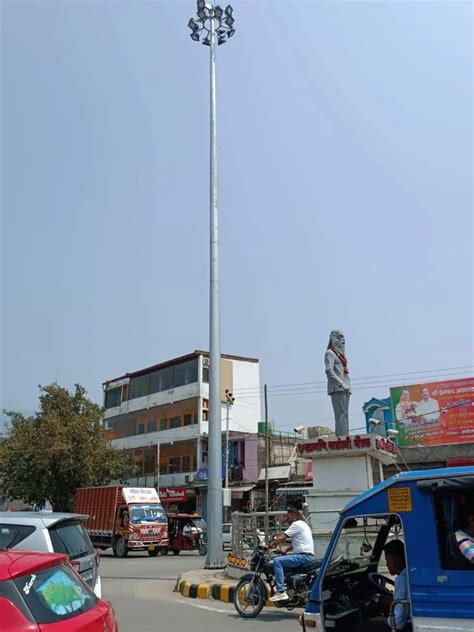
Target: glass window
[
  {"x": 185, "y": 373},
  {"x": 139, "y": 386},
  {"x": 175, "y": 422},
  {"x": 163, "y": 424},
  {"x": 161, "y": 380},
  {"x": 141, "y": 429},
  {"x": 144, "y": 514},
  {"x": 187, "y": 420},
  {"x": 71, "y": 538},
  {"x": 55, "y": 594},
  {"x": 186, "y": 464},
  {"x": 174, "y": 465},
  {"x": 13, "y": 534},
  {"x": 151, "y": 426},
  {"x": 113, "y": 397},
  {"x": 205, "y": 374}
]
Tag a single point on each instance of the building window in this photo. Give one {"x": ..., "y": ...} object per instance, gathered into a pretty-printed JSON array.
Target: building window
[
  {"x": 163, "y": 424},
  {"x": 205, "y": 415},
  {"x": 161, "y": 380},
  {"x": 140, "y": 386},
  {"x": 195, "y": 418},
  {"x": 141, "y": 429},
  {"x": 186, "y": 464},
  {"x": 175, "y": 422},
  {"x": 187, "y": 420},
  {"x": 151, "y": 426},
  {"x": 113, "y": 397},
  {"x": 174, "y": 465},
  {"x": 205, "y": 374},
  {"x": 185, "y": 373}
]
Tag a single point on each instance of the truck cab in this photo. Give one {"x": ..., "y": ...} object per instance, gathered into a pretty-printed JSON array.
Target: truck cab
[{"x": 353, "y": 589}]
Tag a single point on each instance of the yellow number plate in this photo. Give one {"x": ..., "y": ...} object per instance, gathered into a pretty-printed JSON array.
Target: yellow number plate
[{"x": 399, "y": 499}]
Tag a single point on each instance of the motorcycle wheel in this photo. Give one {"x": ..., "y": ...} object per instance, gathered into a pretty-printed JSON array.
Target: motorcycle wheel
[
  {"x": 164, "y": 550},
  {"x": 249, "y": 597},
  {"x": 154, "y": 552},
  {"x": 176, "y": 551},
  {"x": 202, "y": 548}
]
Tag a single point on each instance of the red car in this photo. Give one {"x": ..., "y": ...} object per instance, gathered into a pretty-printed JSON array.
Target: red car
[{"x": 41, "y": 592}]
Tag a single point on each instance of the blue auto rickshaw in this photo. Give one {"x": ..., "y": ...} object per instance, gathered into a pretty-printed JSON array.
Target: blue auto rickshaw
[{"x": 422, "y": 509}]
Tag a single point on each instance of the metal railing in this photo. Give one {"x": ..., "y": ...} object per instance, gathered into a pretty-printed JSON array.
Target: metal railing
[{"x": 251, "y": 529}]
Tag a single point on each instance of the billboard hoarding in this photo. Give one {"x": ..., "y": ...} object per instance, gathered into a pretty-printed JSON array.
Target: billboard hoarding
[{"x": 436, "y": 413}]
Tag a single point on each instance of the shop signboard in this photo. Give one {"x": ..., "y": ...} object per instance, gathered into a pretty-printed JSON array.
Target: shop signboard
[
  {"x": 437, "y": 413},
  {"x": 173, "y": 494}
]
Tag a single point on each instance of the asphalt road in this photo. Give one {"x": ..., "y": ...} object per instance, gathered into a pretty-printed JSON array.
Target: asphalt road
[{"x": 140, "y": 589}]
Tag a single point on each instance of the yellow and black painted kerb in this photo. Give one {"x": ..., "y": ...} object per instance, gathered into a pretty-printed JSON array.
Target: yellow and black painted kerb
[{"x": 218, "y": 592}]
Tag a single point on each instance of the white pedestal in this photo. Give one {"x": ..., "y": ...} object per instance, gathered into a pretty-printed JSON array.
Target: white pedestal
[{"x": 343, "y": 468}]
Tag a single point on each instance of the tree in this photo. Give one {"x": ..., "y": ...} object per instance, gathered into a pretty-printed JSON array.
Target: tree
[{"x": 62, "y": 447}]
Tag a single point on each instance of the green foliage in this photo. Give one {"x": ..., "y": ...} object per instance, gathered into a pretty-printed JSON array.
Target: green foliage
[{"x": 64, "y": 446}]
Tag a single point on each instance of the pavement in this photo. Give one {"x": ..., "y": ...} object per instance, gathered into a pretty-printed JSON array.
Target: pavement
[{"x": 142, "y": 592}]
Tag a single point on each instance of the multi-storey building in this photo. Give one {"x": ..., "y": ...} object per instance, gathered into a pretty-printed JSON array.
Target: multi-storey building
[{"x": 160, "y": 415}]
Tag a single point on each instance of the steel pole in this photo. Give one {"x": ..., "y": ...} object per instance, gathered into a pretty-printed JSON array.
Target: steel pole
[{"x": 214, "y": 490}]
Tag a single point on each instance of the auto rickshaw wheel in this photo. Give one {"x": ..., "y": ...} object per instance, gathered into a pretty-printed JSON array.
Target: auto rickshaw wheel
[{"x": 176, "y": 551}]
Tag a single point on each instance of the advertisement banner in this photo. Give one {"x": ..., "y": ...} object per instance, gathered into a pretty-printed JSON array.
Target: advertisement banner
[{"x": 437, "y": 413}]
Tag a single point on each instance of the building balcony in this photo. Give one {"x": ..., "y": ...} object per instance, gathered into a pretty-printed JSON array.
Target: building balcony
[{"x": 161, "y": 398}]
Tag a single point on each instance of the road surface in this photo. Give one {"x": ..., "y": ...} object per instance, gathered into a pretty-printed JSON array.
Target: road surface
[{"x": 140, "y": 589}]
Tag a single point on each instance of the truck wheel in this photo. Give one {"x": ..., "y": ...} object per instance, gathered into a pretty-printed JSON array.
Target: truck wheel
[
  {"x": 120, "y": 548},
  {"x": 176, "y": 551},
  {"x": 154, "y": 552},
  {"x": 164, "y": 550}
]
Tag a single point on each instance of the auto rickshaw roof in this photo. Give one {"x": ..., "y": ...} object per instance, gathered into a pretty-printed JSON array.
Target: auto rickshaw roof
[{"x": 449, "y": 477}]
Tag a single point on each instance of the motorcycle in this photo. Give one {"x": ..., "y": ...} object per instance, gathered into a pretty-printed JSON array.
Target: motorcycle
[{"x": 254, "y": 589}]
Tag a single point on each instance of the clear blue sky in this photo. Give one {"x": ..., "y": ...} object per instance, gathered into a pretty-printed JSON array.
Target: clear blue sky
[{"x": 345, "y": 151}]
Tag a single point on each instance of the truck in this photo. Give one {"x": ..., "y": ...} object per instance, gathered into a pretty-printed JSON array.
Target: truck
[
  {"x": 124, "y": 518},
  {"x": 424, "y": 510}
]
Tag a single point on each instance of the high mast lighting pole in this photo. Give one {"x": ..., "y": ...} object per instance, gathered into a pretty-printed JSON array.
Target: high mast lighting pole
[{"x": 213, "y": 25}]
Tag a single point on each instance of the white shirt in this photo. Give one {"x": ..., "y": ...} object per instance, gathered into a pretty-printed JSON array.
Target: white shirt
[
  {"x": 301, "y": 537},
  {"x": 428, "y": 409}
]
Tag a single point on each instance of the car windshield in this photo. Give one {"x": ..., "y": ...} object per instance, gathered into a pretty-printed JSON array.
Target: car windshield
[
  {"x": 55, "y": 594},
  {"x": 355, "y": 544},
  {"x": 143, "y": 514},
  {"x": 71, "y": 538}
]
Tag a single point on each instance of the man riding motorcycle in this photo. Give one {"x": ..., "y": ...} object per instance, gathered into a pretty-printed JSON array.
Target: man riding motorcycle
[{"x": 302, "y": 546}]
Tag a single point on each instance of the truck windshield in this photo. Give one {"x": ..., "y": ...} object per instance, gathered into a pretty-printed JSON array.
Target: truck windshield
[{"x": 143, "y": 514}]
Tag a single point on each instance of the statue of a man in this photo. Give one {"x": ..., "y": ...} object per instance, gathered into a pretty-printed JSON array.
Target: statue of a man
[{"x": 339, "y": 383}]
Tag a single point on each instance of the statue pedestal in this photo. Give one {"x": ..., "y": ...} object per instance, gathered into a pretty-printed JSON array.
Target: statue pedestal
[{"x": 343, "y": 468}]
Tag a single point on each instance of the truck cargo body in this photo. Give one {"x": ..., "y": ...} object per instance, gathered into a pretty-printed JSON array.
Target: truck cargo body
[{"x": 124, "y": 518}]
